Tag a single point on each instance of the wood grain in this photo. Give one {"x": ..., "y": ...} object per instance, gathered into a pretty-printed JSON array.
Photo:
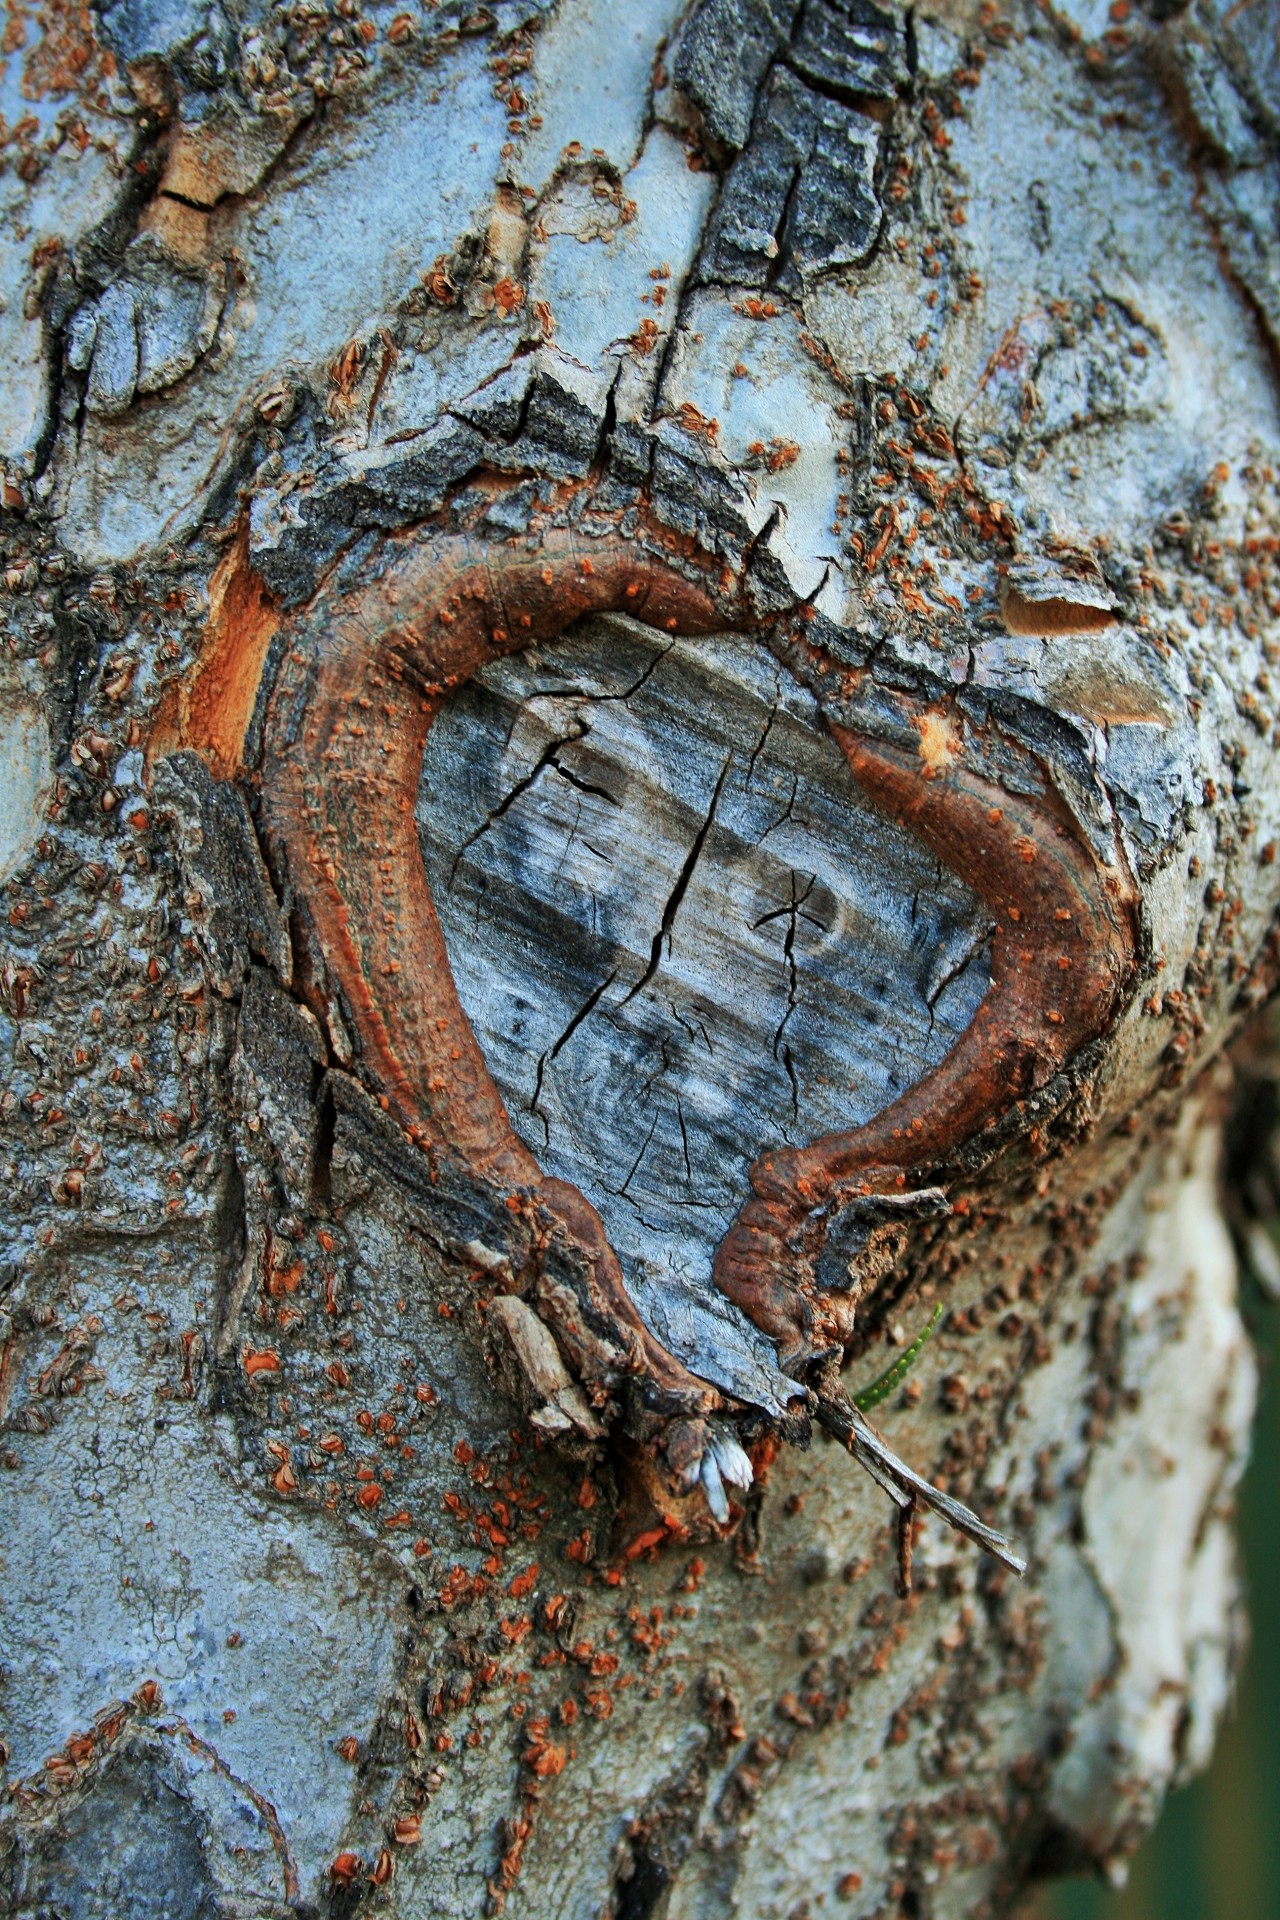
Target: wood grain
[{"x": 682, "y": 934}]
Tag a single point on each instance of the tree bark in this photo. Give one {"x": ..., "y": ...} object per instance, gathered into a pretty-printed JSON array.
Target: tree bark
[{"x": 639, "y": 766}]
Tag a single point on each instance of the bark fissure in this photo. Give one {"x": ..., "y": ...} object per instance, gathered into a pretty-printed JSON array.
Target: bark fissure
[
  {"x": 671, "y": 906},
  {"x": 547, "y": 758}
]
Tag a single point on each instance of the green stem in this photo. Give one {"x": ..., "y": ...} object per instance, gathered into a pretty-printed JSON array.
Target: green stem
[{"x": 880, "y": 1389}]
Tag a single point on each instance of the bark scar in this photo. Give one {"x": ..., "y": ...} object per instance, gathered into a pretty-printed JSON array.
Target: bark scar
[{"x": 362, "y": 676}]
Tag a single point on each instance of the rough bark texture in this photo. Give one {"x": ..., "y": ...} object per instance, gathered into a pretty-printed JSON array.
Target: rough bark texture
[{"x": 637, "y": 751}]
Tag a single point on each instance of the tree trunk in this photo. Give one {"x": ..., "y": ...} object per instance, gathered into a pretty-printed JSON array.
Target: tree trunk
[{"x": 638, "y": 767}]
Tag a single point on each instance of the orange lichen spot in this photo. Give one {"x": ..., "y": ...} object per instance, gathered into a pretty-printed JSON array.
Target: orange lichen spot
[
  {"x": 66, "y": 57},
  {"x": 259, "y": 1360},
  {"x": 345, "y": 371},
  {"x": 440, "y": 284},
  {"x": 545, "y": 1758},
  {"x": 694, "y": 421},
  {"x": 647, "y": 1542}
]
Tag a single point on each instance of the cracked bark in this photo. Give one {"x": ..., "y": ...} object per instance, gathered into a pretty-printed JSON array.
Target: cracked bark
[{"x": 425, "y": 1421}]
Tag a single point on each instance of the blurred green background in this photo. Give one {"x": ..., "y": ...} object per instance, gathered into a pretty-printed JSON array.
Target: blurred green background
[{"x": 1215, "y": 1854}]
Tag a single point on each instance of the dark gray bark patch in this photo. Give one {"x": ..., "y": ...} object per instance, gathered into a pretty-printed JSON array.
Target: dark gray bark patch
[
  {"x": 842, "y": 47},
  {"x": 851, "y": 47},
  {"x": 134, "y": 1845},
  {"x": 276, "y": 1072},
  {"x": 801, "y": 200},
  {"x": 680, "y": 934},
  {"x": 231, "y": 901},
  {"x": 724, "y": 54}
]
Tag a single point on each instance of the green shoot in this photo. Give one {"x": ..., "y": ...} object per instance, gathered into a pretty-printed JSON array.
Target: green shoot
[{"x": 879, "y": 1390}]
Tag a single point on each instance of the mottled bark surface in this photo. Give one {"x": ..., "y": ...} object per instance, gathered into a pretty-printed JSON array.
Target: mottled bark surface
[{"x": 637, "y": 749}]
